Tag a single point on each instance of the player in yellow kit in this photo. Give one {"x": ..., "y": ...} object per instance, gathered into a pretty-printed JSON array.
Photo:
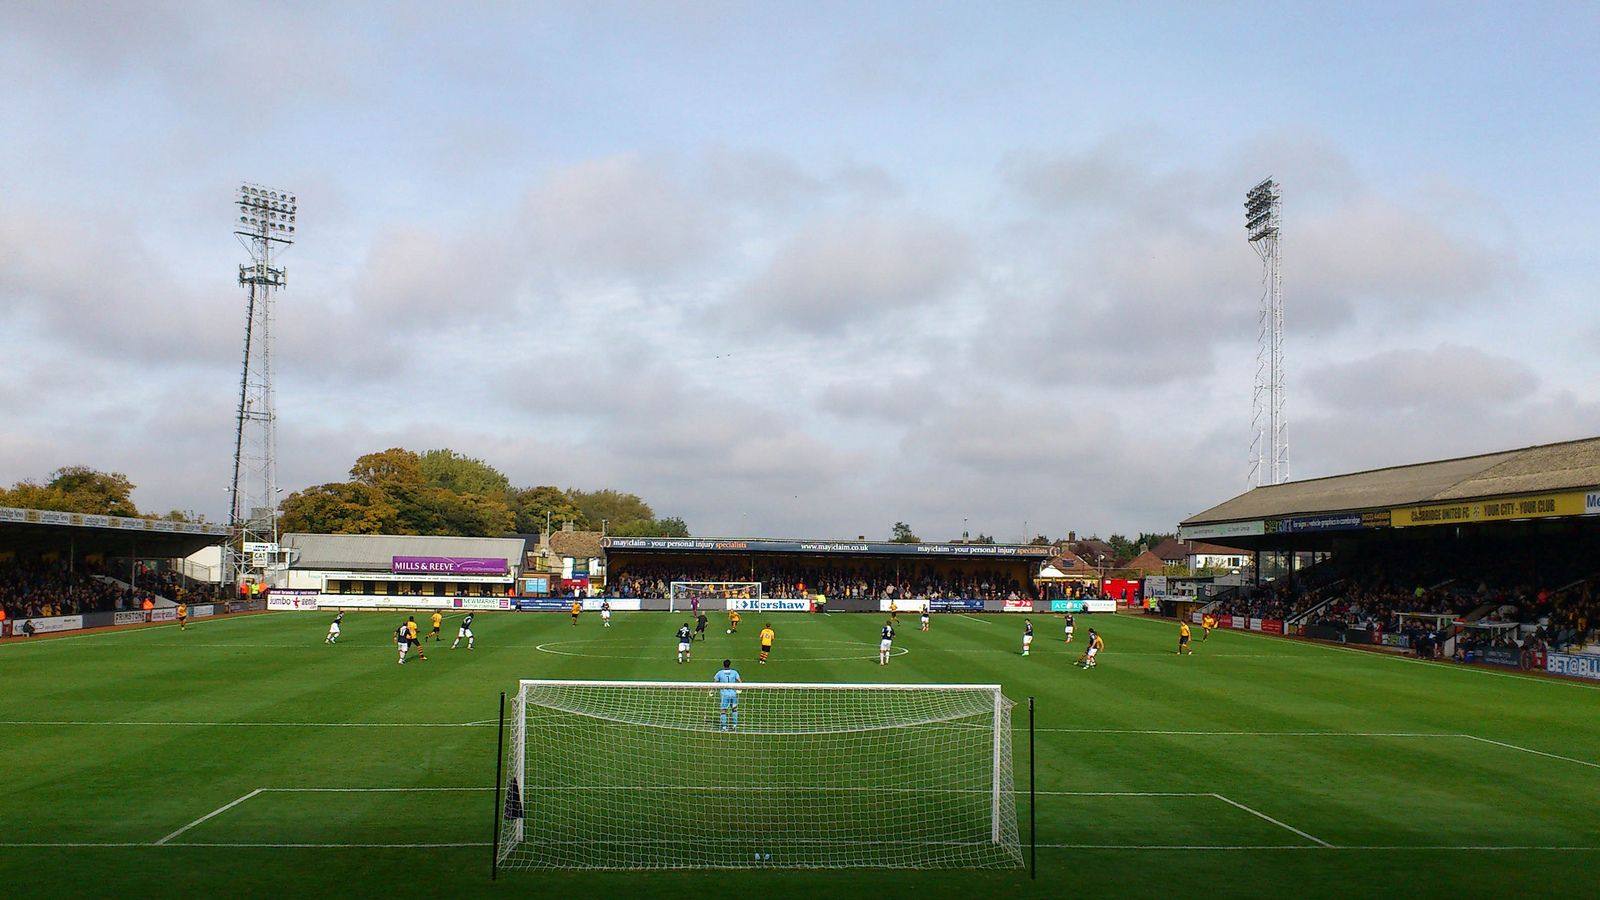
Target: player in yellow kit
[
  {"x": 733, "y": 621},
  {"x": 767, "y": 634},
  {"x": 1183, "y": 639},
  {"x": 183, "y": 617},
  {"x": 577, "y": 607},
  {"x": 438, "y": 620}
]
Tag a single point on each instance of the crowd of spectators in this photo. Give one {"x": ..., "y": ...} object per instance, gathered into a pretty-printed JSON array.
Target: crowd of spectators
[
  {"x": 36, "y": 588},
  {"x": 833, "y": 580},
  {"x": 1546, "y": 588}
]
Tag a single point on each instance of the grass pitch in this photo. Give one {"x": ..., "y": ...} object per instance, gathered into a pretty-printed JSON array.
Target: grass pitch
[{"x": 244, "y": 757}]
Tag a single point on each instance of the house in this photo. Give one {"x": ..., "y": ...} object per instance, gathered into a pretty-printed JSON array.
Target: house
[
  {"x": 575, "y": 561},
  {"x": 1197, "y": 555},
  {"x": 1146, "y": 563}
]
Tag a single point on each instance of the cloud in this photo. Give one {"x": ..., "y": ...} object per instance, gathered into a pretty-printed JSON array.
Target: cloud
[
  {"x": 835, "y": 272},
  {"x": 620, "y": 216},
  {"x": 1454, "y": 377}
]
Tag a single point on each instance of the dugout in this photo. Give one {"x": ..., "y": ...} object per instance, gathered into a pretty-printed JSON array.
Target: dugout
[
  {"x": 642, "y": 565},
  {"x": 1535, "y": 509}
]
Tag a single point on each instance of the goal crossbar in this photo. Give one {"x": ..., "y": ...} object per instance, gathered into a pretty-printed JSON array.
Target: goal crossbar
[{"x": 759, "y": 685}]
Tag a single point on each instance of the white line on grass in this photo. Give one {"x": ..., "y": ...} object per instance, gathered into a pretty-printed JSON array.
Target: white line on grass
[
  {"x": 47, "y": 722},
  {"x": 1581, "y": 762},
  {"x": 1361, "y": 734},
  {"x": 1321, "y": 847},
  {"x": 973, "y": 618},
  {"x": 1261, "y": 815},
  {"x": 339, "y": 846},
  {"x": 215, "y": 812}
]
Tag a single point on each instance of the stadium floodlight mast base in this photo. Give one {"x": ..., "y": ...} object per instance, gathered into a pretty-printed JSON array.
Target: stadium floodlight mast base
[
  {"x": 661, "y": 775},
  {"x": 266, "y": 219},
  {"x": 1269, "y": 444}
]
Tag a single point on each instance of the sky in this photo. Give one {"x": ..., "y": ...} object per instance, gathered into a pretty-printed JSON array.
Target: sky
[{"x": 801, "y": 269}]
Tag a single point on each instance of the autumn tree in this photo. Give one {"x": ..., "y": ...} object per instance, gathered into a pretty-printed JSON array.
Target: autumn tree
[{"x": 78, "y": 489}]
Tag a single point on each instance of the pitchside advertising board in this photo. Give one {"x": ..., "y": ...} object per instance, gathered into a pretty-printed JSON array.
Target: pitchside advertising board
[
  {"x": 955, "y": 605},
  {"x": 285, "y": 599},
  {"x": 1240, "y": 623},
  {"x": 373, "y": 601},
  {"x": 767, "y": 604},
  {"x": 48, "y": 624},
  {"x": 1580, "y": 665},
  {"x": 1084, "y": 606}
]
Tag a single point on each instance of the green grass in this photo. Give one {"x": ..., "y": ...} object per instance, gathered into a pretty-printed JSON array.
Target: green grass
[{"x": 1311, "y": 769}]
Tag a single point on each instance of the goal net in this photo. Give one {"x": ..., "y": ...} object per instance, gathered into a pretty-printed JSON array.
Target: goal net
[
  {"x": 681, "y": 592},
  {"x": 659, "y": 775}
]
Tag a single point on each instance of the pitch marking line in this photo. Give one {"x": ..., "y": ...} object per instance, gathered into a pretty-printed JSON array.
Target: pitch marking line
[
  {"x": 1473, "y": 737},
  {"x": 1261, "y": 815},
  {"x": 215, "y": 812}
]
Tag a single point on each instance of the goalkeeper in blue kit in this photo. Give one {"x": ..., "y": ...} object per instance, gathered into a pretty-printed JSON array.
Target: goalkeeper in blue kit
[{"x": 729, "y": 697}]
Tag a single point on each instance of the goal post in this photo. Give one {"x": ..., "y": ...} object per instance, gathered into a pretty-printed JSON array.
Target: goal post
[
  {"x": 678, "y": 775},
  {"x": 680, "y": 593}
]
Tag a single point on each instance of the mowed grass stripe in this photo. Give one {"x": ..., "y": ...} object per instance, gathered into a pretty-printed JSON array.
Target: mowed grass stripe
[{"x": 79, "y": 784}]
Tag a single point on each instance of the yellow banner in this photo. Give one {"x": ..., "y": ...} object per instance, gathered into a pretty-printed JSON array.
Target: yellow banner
[{"x": 1536, "y": 507}]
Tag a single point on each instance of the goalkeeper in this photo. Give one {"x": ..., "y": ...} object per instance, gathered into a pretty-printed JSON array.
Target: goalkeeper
[{"x": 729, "y": 698}]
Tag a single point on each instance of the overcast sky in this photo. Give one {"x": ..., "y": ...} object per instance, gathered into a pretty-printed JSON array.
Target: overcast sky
[{"x": 801, "y": 269}]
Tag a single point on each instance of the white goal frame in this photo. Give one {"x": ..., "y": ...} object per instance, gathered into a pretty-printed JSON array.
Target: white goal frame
[
  {"x": 1002, "y": 829},
  {"x": 756, "y": 591}
]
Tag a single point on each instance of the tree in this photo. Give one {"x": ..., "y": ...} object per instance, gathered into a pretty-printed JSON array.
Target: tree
[
  {"x": 612, "y": 507},
  {"x": 902, "y": 534},
  {"x": 462, "y": 474},
  {"x": 982, "y": 539},
  {"x": 442, "y": 492},
  {"x": 534, "y": 506},
  {"x": 1040, "y": 540},
  {"x": 670, "y": 527},
  {"x": 77, "y": 489},
  {"x": 340, "y": 508},
  {"x": 1121, "y": 546}
]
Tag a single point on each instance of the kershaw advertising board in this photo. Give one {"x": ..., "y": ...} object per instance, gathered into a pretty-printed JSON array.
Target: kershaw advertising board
[{"x": 767, "y": 604}]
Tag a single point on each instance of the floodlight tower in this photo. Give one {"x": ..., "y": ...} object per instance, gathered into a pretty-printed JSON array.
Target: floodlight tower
[
  {"x": 266, "y": 224},
  {"x": 1269, "y": 443}
]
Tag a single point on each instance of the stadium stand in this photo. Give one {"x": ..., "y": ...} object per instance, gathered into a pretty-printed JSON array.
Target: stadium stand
[
  {"x": 1455, "y": 557},
  {"x": 863, "y": 580}
]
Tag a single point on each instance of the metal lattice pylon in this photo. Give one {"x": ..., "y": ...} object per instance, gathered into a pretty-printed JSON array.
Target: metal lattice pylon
[
  {"x": 1269, "y": 444},
  {"x": 266, "y": 218}
]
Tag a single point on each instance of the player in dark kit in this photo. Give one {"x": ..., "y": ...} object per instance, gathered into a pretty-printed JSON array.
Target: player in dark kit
[
  {"x": 464, "y": 632},
  {"x": 700, "y": 627},
  {"x": 684, "y": 637}
]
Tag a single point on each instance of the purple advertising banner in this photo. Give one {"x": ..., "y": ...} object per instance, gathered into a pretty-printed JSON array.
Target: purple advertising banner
[{"x": 449, "y": 565}]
